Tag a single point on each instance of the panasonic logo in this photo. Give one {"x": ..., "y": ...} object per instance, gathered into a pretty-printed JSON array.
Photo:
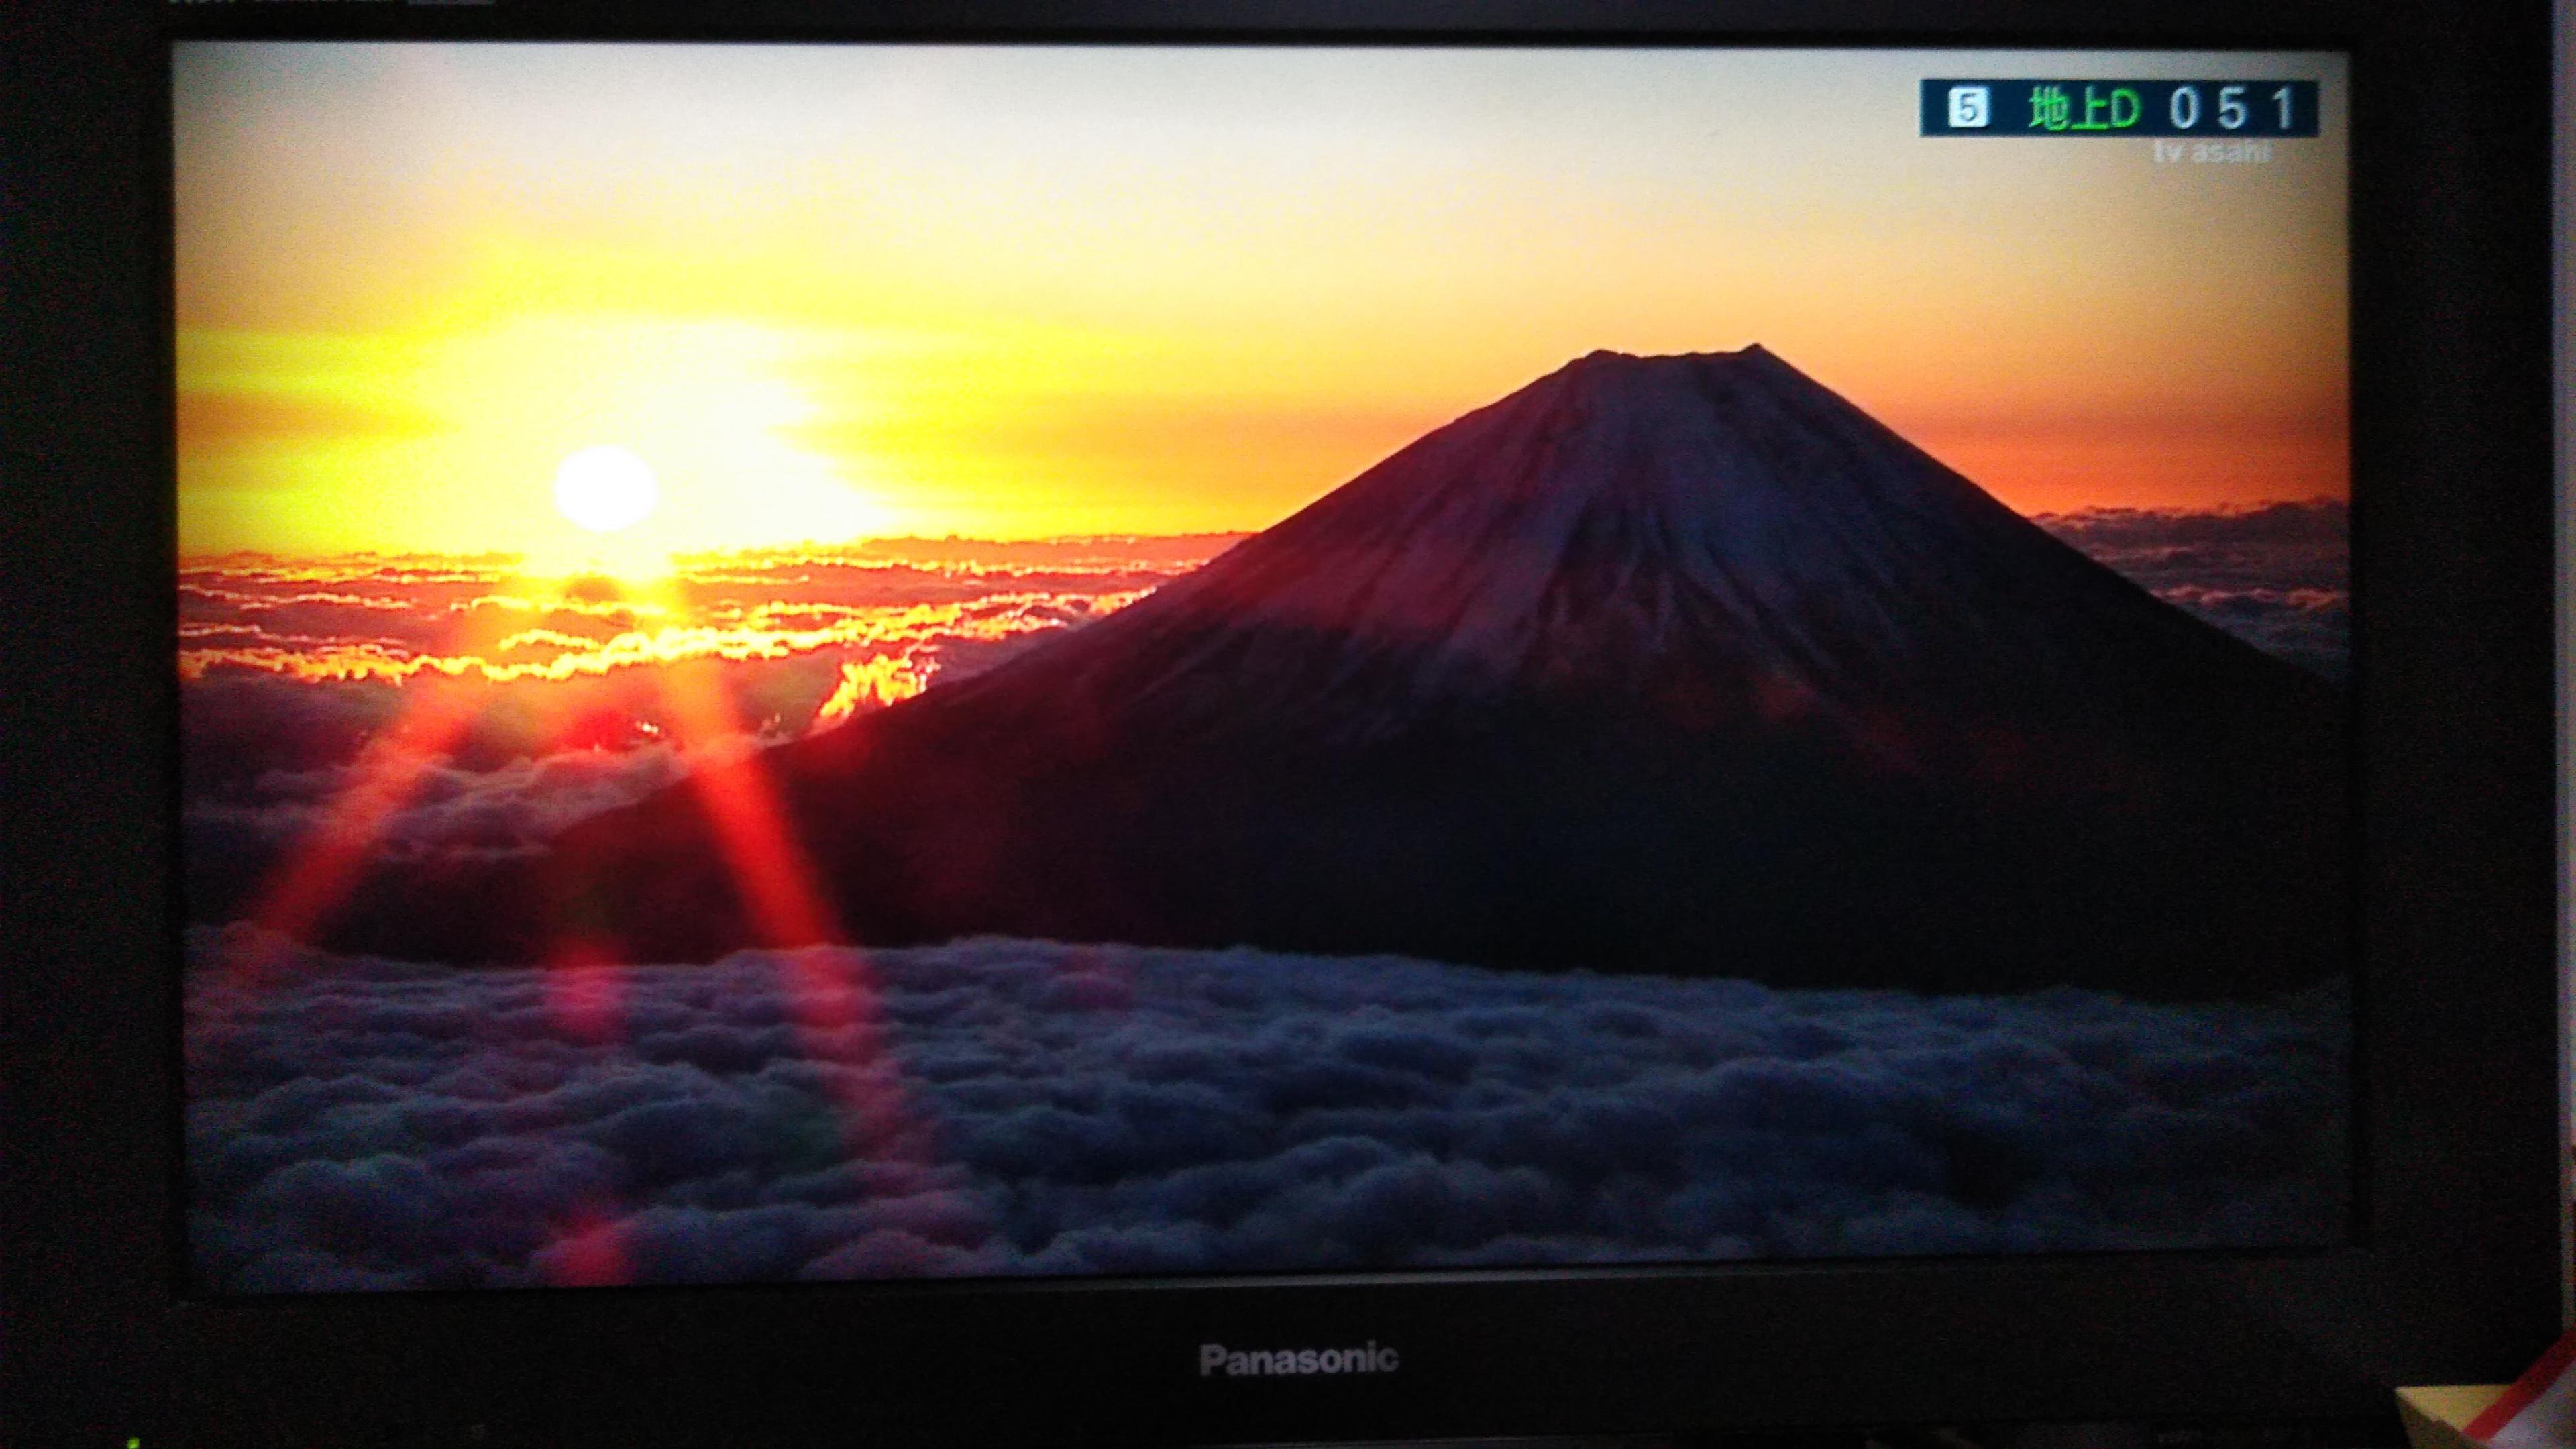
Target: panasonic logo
[{"x": 1235, "y": 1363}]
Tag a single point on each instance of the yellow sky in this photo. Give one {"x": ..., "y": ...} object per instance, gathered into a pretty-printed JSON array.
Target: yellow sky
[{"x": 1012, "y": 292}]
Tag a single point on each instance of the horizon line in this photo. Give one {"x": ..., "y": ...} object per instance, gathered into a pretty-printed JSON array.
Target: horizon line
[{"x": 860, "y": 542}]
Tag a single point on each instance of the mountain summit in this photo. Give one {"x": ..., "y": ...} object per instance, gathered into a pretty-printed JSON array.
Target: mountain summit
[
  {"x": 1714, "y": 535},
  {"x": 1672, "y": 664}
]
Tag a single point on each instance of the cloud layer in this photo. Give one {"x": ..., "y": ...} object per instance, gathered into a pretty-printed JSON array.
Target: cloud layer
[
  {"x": 289, "y": 669},
  {"x": 1004, "y": 1107},
  {"x": 2278, "y": 576}
]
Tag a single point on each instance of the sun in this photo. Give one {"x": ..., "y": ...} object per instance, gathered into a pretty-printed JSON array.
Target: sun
[{"x": 605, "y": 489}]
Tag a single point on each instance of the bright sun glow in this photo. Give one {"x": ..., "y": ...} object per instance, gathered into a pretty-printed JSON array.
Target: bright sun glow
[{"x": 605, "y": 489}]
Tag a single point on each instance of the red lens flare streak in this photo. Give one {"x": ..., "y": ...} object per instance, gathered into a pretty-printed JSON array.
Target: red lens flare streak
[
  {"x": 830, "y": 994},
  {"x": 837, "y": 1015},
  {"x": 585, "y": 991},
  {"x": 317, "y": 876},
  {"x": 589, "y": 1251}
]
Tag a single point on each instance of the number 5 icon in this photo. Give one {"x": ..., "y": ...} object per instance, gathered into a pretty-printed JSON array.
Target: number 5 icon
[{"x": 1968, "y": 107}]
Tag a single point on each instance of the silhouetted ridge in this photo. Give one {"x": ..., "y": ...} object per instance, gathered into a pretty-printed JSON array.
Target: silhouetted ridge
[{"x": 1679, "y": 664}]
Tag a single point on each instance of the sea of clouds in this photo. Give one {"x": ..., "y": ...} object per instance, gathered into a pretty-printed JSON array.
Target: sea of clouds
[
  {"x": 289, "y": 669},
  {"x": 1005, "y": 1107},
  {"x": 2277, "y": 575},
  {"x": 286, "y": 668}
]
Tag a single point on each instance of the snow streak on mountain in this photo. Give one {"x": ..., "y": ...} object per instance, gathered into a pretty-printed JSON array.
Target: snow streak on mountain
[{"x": 1675, "y": 664}]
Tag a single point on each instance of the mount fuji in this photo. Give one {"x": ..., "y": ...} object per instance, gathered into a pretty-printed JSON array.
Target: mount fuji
[{"x": 1681, "y": 665}]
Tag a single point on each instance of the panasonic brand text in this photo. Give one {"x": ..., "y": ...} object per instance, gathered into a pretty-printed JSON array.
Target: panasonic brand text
[{"x": 1217, "y": 1360}]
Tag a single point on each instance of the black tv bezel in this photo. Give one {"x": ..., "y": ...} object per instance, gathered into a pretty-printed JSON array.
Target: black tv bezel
[{"x": 2456, "y": 1275}]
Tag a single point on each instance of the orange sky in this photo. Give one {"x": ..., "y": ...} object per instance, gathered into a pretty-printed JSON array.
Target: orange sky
[{"x": 830, "y": 293}]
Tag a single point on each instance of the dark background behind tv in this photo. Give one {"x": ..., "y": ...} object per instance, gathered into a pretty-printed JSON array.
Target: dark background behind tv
[{"x": 2458, "y": 1276}]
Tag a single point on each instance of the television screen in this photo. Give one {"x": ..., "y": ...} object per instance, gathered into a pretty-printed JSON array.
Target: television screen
[{"x": 846, "y": 662}]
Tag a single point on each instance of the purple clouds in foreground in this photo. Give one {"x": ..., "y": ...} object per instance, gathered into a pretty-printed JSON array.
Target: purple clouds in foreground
[{"x": 1052, "y": 1109}]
